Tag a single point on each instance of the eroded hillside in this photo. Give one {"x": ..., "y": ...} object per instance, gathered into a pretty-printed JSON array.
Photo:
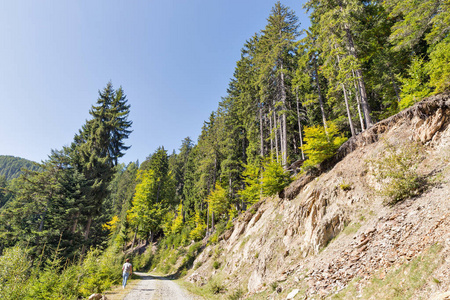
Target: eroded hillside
[{"x": 332, "y": 234}]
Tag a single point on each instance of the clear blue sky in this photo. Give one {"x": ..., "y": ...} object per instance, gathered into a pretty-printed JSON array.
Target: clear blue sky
[{"x": 173, "y": 58}]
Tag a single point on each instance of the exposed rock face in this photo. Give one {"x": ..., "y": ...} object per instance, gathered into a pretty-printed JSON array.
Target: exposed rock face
[{"x": 297, "y": 238}]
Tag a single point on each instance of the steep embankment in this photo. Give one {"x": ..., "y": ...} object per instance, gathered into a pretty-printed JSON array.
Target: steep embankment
[{"x": 330, "y": 233}]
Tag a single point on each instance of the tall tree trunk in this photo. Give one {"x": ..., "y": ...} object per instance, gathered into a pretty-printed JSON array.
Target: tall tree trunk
[
  {"x": 261, "y": 137},
  {"x": 134, "y": 238},
  {"x": 299, "y": 125},
  {"x": 75, "y": 222},
  {"x": 276, "y": 133},
  {"x": 283, "y": 117},
  {"x": 358, "y": 95},
  {"x": 41, "y": 224},
  {"x": 352, "y": 129},
  {"x": 86, "y": 234},
  {"x": 394, "y": 84},
  {"x": 280, "y": 121},
  {"x": 271, "y": 135},
  {"x": 322, "y": 109},
  {"x": 88, "y": 228},
  {"x": 361, "y": 84},
  {"x": 207, "y": 220}
]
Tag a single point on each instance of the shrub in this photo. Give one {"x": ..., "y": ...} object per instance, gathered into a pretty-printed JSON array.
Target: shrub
[
  {"x": 396, "y": 171},
  {"x": 216, "y": 264},
  {"x": 216, "y": 286},
  {"x": 345, "y": 186},
  {"x": 14, "y": 272},
  {"x": 321, "y": 144},
  {"x": 274, "y": 177},
  {"x": 236, "y": 294}
]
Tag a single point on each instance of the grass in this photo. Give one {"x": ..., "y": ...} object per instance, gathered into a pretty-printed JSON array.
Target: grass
[
  {"x": 351, "y": 228},
  {"x": 213, "y": 289},
  {"x": 118, "y": 293}
]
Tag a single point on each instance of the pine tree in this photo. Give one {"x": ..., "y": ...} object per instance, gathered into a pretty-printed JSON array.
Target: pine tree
[{"x": 275, "y": 51}]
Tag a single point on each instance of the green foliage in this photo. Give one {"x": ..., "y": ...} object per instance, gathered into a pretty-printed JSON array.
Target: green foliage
[
  {"x": 396, "y": 171},
  {"x": 200, "y": 227},
  {"x": 236, "y": 294},
  {"x": 177, "y": 225},
  {"x": 216, "y": 286},
  {"x": 415, "y": 86},
  {"x": 439, "y": 66},
  {"x": 218, "y": 201},
  {"x": 321, "y": 144},
  {"x": 216, "y": 264},
  {"x": 56, "y": 277},
  {"x": 274, "y": 177},
  {"x": 14, "y": 271},
  {"x": 11, "y": 167},
  {"x": 252, "y": 191}
]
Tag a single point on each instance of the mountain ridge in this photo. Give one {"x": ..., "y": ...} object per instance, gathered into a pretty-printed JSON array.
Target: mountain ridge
[{"x": 11, "y": 166}]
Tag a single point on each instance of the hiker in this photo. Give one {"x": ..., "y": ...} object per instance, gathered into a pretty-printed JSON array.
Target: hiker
[{"x": 127, "y": 269}]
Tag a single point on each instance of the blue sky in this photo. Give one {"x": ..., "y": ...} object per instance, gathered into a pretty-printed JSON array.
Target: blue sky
[{"x": 173, "y": 58}]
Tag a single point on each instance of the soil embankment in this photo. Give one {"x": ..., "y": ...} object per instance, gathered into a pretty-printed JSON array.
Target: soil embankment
[{"x": 331, "y": 233}]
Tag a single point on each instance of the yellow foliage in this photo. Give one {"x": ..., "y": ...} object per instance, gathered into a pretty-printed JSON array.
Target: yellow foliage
[
  {"x": 177, "y": 224},
  {"x": 218, "y": 201},
  {"x": 199, "y": 231},
  {"x": 321, "y": 144},
  {"x": 111, "y": 226}
]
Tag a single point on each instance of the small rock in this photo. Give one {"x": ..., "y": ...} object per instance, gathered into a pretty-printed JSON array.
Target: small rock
[
  {"x": 95, "y": 297},
  {"x": 292, "y": 294},
  {"x": 279, "y": 289}
]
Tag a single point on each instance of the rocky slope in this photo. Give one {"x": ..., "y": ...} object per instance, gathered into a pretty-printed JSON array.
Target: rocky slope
[{"x": 330, "y": 234}]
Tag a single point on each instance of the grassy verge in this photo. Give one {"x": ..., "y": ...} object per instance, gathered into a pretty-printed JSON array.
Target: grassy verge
[{"x": 118, "y": 293}]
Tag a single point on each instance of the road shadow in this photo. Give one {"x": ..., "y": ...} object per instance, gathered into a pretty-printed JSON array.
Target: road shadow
[{"x": 146, "y": 276}]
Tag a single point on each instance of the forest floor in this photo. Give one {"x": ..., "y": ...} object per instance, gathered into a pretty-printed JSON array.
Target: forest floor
[{"x": 150, "y": 287}]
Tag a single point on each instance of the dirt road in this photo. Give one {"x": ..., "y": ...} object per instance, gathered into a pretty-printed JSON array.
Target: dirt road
[{"x": 157, "y": 288}]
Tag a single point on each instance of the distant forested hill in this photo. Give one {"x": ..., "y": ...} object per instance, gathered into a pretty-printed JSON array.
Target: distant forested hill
[{"x": 11, "y": 166}]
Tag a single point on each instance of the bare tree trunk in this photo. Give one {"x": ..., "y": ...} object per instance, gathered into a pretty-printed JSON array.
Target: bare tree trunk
[
  {"x": 88, "y": 228},
  {"x": 322, "y": 109},
  {"x": 352, "y": 129},
  {"x": 394, "y": 84},
  {"x": 280, "y": 121},
  {"x": 283, "y": 128},
  {"x": 134, "y": 238},
  {"x": 361, "y": 84},
  {"x": 299, "y": 125},
  {"x": 41, "y": 225},
  {"x": 261, "y": 137},
  {"x": 276, "y": 134},
  {"x": 358, "y": 95},
  {"x": 75, "y": 222},
  {"x": 271, "y": 135},
  {"x": 207, "y": 220}
]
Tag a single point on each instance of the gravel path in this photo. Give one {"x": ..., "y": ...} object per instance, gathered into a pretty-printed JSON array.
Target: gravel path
[{"x": 157, "y": 288}]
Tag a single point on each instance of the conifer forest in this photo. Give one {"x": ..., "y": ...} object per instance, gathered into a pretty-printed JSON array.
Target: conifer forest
[{"x": 295, "y": 96}]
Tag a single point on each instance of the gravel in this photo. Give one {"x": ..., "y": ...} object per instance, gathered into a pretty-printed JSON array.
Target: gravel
[{"x": 154, "y": 287}]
